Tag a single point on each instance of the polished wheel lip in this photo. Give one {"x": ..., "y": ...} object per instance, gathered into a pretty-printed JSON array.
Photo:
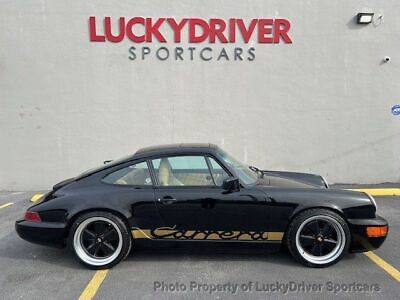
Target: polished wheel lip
[
  {"x": 81, "y": 251},
  {"x": 336, "y": 251}
]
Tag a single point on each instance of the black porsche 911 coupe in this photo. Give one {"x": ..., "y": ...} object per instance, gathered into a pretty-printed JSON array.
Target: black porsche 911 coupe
[{"x": 199, "y": 193}]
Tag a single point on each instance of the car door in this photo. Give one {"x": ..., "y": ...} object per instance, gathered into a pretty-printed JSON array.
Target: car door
[
  {"x": 193, "y": 204},
  {"x": 244, "y": 210}
]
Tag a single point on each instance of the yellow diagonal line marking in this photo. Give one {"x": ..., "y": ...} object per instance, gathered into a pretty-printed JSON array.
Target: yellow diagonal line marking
[
  {"x": 6, "y": 204},
  {"x": 36, "y": 197},
  {"x": 91, "y": 289},
  {"x": 392, "y": 271},
  {"x": 379, "y": 192}
]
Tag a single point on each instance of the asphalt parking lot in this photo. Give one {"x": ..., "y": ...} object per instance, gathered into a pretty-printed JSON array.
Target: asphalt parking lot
[{"x": 31, "y": 271}]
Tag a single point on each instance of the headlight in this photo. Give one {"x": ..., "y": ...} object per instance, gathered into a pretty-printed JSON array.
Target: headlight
[{"x": 372, "y": 200}]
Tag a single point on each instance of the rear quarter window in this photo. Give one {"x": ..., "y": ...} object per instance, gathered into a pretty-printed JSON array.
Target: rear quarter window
[{"x": 136, "y": 174}]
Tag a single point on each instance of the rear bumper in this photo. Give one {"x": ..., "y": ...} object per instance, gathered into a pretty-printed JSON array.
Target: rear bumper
[
  {"x": 360, "y": 241},
  {"x": 44, "y": 233}
]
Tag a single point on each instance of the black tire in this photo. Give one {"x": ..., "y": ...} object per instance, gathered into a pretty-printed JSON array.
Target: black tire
[
  {"x": 308, "y": 246},
  {"x": 87, "y": 230}
]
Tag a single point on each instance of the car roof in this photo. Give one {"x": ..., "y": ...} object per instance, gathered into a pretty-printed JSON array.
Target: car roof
[
  {"x": 142, "y": 153},
  {"x": 175, "y": 148}
]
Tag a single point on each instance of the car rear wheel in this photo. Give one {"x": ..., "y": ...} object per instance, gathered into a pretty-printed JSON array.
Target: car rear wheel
[
  {"x": 100, "y": 240},
  {"x": 318, "y": 238}
]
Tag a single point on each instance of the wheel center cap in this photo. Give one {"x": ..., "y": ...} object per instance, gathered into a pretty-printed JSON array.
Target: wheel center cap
[
  {"x": 320, "y": 239},
  {"x": 99, "y": 240}
]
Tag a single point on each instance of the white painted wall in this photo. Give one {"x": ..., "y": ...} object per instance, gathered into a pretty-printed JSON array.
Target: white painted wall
[{"x": 321, "y": 104}]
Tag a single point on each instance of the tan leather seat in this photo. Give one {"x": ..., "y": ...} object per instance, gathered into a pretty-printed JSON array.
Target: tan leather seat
[
  {"x": 134, "y": 177},
  {"x": 165, "y": 175},
  {"x": 120, "y": 181}
]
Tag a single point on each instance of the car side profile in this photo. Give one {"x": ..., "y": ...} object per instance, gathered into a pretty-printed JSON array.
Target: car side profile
[{"x": 198, "y": 192}]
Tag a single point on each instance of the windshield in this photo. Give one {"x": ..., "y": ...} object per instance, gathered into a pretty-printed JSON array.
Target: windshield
[{"x": 245, "y": 175}]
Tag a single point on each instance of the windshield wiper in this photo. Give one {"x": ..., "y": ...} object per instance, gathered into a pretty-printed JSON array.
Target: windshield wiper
[{"x": 257, "y": 170}]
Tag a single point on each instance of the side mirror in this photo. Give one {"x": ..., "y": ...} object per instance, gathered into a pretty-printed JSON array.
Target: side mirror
[{"x": 231, "y": 184}]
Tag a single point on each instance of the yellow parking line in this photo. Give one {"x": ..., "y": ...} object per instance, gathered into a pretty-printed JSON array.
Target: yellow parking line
[
  {"x": 90, "y": 291},
  {"x": 392, "y": 271},
  {"x": 36, "y": 197},
  {"x": 379, "y": 192},
  {"x": 6, "y": 204}
]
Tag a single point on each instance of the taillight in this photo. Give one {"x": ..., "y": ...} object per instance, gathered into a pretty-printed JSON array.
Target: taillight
[{"x": 32, "y": 216}]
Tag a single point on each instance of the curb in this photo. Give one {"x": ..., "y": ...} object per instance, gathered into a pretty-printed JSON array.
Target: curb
[
  {"x": 379, "y": 192},
  {"x": 36, "y": 197}
]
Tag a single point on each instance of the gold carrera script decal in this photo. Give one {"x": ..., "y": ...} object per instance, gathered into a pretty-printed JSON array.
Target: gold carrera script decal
[{"x": 172, "y": 233}]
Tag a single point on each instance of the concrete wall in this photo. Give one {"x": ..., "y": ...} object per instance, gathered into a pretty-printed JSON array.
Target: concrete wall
[{"x": 321, "y": 104}]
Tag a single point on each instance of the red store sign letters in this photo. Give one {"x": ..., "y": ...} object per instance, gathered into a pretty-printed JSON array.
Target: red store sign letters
[{"x": 147, "y": 30}]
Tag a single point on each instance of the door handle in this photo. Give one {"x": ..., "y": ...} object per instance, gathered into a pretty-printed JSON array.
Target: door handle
[{"x": 166, "y": 200}]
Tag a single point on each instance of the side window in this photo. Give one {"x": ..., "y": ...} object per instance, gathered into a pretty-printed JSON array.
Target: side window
[
  {"x": 218, "y": 173},
  {"x": 182, "y": 171},
  {"x": 137, "y": 174}
]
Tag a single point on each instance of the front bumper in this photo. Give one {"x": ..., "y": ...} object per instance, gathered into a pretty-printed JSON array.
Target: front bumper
[
  {"x": 360, "y": 241},
  {"x": 44, "y": 233}
]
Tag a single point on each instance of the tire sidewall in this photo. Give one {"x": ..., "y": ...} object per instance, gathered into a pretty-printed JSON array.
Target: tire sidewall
[
  {"x": 295, "y": 225},
  {"x": 122, "y": 227}
]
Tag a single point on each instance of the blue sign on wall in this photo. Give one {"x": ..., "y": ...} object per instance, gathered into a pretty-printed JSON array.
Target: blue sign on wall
[{"x": 396, "y": 110}]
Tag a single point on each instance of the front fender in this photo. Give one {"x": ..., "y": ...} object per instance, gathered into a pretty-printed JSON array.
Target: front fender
[{"x": 285, "y": 204}]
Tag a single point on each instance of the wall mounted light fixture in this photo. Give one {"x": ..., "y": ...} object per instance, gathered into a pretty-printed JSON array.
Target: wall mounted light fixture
[{"x": 364, "y": 18}]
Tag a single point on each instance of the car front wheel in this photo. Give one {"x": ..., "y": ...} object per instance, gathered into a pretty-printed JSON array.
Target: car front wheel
[
  {"x": 100, "y": 240},
  {"x": 318, "y": 237}
]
